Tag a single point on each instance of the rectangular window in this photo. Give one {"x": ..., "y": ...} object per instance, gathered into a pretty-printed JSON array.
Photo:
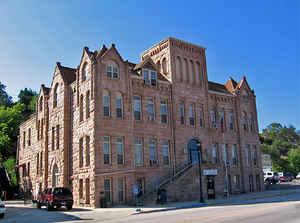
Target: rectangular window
[
  {"x": 214, "y": 154},
  {"x": 181, "y": 108},
  {"x": 106, "y": 149},
  {"x": 80, "y": 190},
  {"x": 87, "y": 150},
  {"x": 29, "y": 136},
  {"x": 115, "y": 72},
  {"x": 87, "y": 191},
  {"x": 42, "y": 129},
  {"x": 109, "y": 71},
  {"x": 38, "y": 130},
  {"x": 37, "y": 163},
  {"x": 233, "y": 155},
  {"x": 213, "y": 118},
  {"x": 140, "y": 183},
  {"x": 57, "y": 137},
  {"x": 255, "y": 156},
  {"x": 28, "y": 169},
  {"x": 87, "y": 104},
  {"x": 231, "y": 120},
  {"x": 152, "y": 151},
  {"x": 153, "y": 78},
  {"x": 119, "y": 106},
  {"x": 224, "y": 153},
  {"x": 137, "y": 107},
  {"x": 146, "y": 76},
  {"x": 139, "y": 152},
  {"x": 165, "y": 152},
  {"x": 150, "y": 109},
  {"x": 121, "y": 189},
  {"x": 221, "y": 120},
  {"x": 80, "y": 152},
  {"x": 120, "y": 150},
  {"x": 192, "y": 114},
  {"x": 41, "y": 161},
  {"x": 164, "y": 113},
  {"x": 247, "y": 155},
  {"x": 201, "y": 116},
  {"x": 107, "y": 189},
  {"x": 24, "y": 139},
  {"x": 53, "y": 138},
  {"x": 106, "y": 105}
]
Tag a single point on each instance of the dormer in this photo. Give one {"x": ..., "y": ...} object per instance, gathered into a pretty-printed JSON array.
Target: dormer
[{"x": 148, "y": 70}]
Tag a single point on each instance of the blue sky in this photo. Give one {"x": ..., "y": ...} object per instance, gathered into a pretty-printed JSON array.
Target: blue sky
[{"x": 258, "y": 39}]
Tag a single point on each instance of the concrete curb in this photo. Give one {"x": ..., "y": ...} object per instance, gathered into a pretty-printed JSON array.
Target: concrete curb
[{"x": 214, "y": 203}]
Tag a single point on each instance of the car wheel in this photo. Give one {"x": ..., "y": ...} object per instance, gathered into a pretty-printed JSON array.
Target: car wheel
[
  {"x": 38, "y": 204},
  {"x": 48, "y": 206},
  {"x": 69, "y": 207},
  {"x": 2, "y": 215}
]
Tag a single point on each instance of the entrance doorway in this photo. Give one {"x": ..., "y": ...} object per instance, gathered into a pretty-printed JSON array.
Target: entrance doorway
[
  {"x": 193, "y": 150},
  {"x": 211, "y": 192},
  {"x": 251, "y": 183}
]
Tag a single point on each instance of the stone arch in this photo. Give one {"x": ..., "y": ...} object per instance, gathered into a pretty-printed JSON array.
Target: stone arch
[
  {"x": 184, "y": 71},
  {"x": 41, "y": 104},
  {"x": 198, "y": 73},
  {"x": 158, "y": 65},
  {"x": 178, "y": 68},
  {"x": 164, "y": 65},
  {"x": 191, "y": 72},
  {"x": 85, "y": 71}
]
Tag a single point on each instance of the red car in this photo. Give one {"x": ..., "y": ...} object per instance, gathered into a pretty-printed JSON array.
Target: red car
[{"x": 55, "y": 197}]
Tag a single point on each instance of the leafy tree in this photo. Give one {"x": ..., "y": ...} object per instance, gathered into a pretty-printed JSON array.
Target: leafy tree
[
  {"x": 28, "y": 98},
  {"x": 10, "y": 166},
  {"x": 294, "y": 159},
  {"x": 5, "y": 99}
]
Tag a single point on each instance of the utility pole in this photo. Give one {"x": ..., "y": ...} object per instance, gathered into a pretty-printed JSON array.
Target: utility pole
[{"x": 199, "y": 152}]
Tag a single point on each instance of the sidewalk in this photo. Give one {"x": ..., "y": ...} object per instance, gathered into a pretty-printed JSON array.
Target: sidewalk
[{"x": 219, "y": 201}]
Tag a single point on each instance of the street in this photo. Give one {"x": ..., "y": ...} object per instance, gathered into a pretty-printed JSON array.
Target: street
[{"x": 277, "y": 209}]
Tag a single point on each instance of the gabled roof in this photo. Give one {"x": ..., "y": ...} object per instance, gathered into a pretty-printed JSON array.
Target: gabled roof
[
  {"x": 102, "y": 51},
  {"x": 45, "y": 90},
  {"x": 244, "y": 82},
  {"x": 217, "y": 87},
  {"x": 68, "y": 74},
  {"x": 148, "y": 63},
  {"x": 112, "y": 47},
  {"x": 231, "y": 84}
]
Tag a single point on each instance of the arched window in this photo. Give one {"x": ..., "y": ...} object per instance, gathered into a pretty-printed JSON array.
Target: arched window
[
  {"x": 191, "y": 72},
  {"x": 55, "y": 175},
  {"x": 119, "y": 105},
  {"x": 198, "y": 73},
  {"x": 178, "y": 69},
  {"x": 85, "y": 71},
  {"x": 106, "y": 103},
  {"x": 55, "y": 96},
  {"x": 194, "y": 149},
  {"x": 184, "y": 71},
  {"x": 112, "y": 70},
  {"x": 245, "y": 121},
  {"x": 81, "y": 108},
  {"x": 87, "y": 104},
  {"x": 41, "y": 104},
  {"x": 252, "y": 126},
  {"x": 165, "y": 66}
]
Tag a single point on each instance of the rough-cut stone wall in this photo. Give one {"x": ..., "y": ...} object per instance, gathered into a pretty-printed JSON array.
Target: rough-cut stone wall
[{"x": 184, "y": 67}]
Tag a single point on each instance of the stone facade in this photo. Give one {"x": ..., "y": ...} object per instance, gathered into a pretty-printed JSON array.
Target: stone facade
[{"x": 108, "y": 127}]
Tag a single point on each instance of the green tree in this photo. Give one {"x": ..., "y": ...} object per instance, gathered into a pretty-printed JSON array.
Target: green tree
[
  {"x": 294, "y": 159},
  {"x": 5, "y": 99},
  {"x": 10, "y": 166},
  {"x": 28, "y": 98}
]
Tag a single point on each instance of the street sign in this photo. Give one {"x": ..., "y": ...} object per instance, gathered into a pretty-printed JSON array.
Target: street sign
[{"x": 212, "y": 172}]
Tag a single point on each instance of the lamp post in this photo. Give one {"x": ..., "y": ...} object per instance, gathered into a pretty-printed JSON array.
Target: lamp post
[{"x": 199, "y": 152}]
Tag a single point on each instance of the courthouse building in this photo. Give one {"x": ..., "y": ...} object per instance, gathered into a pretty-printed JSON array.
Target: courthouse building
[{"x": 110, "y": 127}]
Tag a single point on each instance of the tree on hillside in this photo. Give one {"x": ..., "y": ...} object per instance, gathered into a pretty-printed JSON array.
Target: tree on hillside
[
  {"x": 5, "y": 99},
  {"x": 281, "y": 143},
  {"x": 28, "y": 98}
]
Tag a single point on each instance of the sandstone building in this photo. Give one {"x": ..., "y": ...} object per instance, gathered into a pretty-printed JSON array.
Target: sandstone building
[{"x": 110, "y": 126}]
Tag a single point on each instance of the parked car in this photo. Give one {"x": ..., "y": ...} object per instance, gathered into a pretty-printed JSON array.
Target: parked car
[
  {"x": 285, "y": 176},
  {"x": 298, "y": 176},
  {"x": 2, "y": 209},
  {"x": 271, "y": 177},
  {"x": 55, "y": 197}
]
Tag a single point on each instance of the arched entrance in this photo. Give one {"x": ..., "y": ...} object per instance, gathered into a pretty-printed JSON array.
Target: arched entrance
[
  {"x": 55, "y": 175},
  {"x": 193, "y": 150}
]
